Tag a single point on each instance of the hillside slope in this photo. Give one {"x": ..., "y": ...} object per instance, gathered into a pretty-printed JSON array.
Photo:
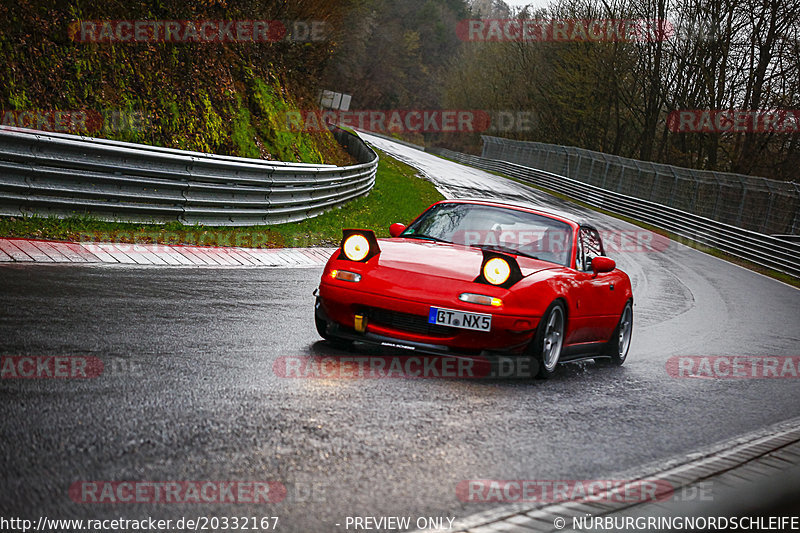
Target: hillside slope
[{"x": 226, "y": 96}]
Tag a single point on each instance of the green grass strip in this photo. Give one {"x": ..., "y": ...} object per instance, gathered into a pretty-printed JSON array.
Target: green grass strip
[{"x": 399, "y": 195}]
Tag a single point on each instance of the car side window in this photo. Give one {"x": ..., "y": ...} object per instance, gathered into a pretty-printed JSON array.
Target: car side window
[{"x": 589, "y": 247}]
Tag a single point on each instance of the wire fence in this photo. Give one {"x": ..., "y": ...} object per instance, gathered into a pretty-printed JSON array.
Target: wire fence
[
  {"x": 777, "y": 253},
  {"x": 758, "y": 204}
]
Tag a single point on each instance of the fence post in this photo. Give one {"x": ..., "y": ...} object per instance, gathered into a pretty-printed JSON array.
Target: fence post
[
  {"x": 741, "y": 202},
  {"x": 715, "y": 214},
  {"x": 765, "y": 220},
  {"x": 674, "y": 188},
  {"x": 605, "y": 173},
  {"x": 795, "y": 229}
]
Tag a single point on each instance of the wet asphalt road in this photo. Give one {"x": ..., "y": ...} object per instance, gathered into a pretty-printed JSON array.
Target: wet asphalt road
[{"x": 189, "y": 393}]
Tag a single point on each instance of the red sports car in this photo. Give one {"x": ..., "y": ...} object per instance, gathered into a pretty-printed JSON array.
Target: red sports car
[{"x": 479, "y": 277}]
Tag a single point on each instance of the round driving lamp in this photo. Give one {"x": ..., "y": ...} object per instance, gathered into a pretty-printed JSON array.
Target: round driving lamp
[
  {"x": 356, "y": 247},
  {"x": 496, "y": 271}
]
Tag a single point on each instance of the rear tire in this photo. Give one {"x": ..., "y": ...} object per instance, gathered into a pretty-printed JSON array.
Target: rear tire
[
  {"x": 549, "y": 340},
  {"x": 620, "y": 342}
]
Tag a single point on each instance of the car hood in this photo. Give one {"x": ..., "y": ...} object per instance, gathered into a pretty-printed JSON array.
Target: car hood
[{"x": 444, "y": 260}]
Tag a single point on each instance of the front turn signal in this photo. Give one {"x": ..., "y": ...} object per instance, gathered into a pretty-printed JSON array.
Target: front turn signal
[{"x": 480, "y": 299}]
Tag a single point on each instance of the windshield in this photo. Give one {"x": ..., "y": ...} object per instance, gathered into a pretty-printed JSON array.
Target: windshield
[{"x": 495, "y": 228}]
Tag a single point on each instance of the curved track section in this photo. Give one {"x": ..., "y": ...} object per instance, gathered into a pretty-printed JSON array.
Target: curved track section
[
  {"x": 720, "y": 299},
  {"x": 189, "y": 391}
]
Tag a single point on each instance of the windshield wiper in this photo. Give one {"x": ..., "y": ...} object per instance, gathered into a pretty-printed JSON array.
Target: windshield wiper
[
  {"x": 422, "y": 236},
  {"x": 504, "y": 249}
]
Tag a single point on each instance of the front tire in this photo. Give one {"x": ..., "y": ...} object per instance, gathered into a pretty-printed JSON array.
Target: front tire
[
  {"x": 322, "y": 328},
  {"x": 549, "y": 340},
  {"x": 620, "y": 342}
]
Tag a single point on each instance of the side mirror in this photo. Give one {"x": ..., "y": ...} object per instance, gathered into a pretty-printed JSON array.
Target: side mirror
[
  {"x": 396, "y": 229},
  {"x": 602, "y": 264}
]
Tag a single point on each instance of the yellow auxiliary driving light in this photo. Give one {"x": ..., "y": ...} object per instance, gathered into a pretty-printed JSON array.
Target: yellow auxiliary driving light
[
  {"x": 356, "y": 247},
  {"x": 496, "y": 271}
]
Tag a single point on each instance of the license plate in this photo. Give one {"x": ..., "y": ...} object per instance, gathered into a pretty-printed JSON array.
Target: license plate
[{"x": 459, "y": 319}]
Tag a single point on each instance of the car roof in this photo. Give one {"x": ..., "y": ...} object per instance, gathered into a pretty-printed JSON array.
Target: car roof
[{"x": 581, "y": 221}]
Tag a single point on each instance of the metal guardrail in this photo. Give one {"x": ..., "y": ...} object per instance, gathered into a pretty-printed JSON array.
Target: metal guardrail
[
  {"x": 765, "y": 250},
  {"x": 749, "y": 202},
  {"x": 52, "y": 174}
]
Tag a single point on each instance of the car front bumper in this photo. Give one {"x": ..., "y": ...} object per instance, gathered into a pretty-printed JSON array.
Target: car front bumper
[{"x": 401, "y": 323}]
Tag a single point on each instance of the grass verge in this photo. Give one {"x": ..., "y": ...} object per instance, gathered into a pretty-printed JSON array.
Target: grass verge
[{"x": 399, "y": 195}]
